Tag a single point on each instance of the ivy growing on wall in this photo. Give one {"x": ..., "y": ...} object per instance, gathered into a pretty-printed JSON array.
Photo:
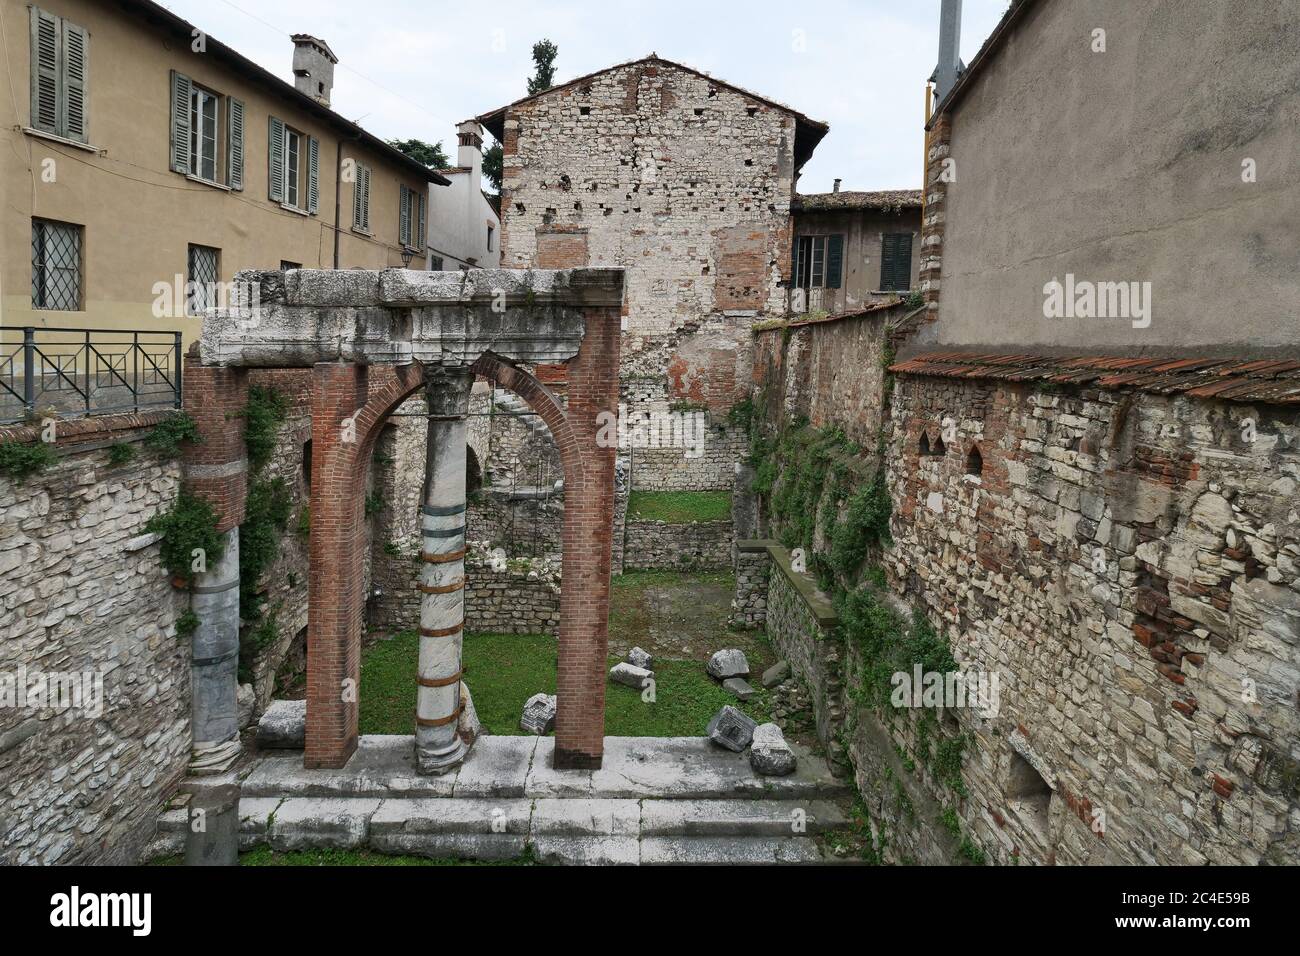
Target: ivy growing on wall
[
  {"x": 19, "y": 461},
  {"x": 263, "y": 416},
  {"x": 166, "y": 437},
  {"x": 188, "y": 525}
]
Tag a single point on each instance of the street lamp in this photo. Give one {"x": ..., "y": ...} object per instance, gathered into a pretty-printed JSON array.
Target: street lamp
[{"x": 407, "y": 256}]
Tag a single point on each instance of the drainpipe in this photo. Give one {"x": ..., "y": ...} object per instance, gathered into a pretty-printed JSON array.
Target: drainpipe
[{"x": 438, "y": 747}]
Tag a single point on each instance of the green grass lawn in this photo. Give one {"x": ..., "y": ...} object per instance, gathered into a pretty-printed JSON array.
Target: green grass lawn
[
  {"x": 504, "y": 670},
  {"x": 679, "y": 507}
]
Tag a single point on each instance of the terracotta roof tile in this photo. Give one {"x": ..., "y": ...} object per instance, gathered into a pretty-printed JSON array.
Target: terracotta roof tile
[{"x": 1276, "y": 381}]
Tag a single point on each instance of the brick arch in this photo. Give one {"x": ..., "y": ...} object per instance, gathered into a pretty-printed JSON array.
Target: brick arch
[
  {"x": 336, "y": 600},
  {"x": 541, "y": 400}
]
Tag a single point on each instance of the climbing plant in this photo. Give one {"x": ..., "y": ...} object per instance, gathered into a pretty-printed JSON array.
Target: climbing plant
[
  {"x": 166, "y": 437},
  {"x": 19, "y": 461},
  {"x": 188, "y": 526},
  {"x": 263, "y": 415}
]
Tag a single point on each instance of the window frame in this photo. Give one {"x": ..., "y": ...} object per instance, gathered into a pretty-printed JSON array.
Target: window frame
[
  {"x": 198, "y": 123},
  {"x": 886, "y": 260},
  {"x": 40, "y": 273},
  {"x": 812, "y": 260},
  {"x": 191, "y": 283},
  {"x": 293, "y": 185}
]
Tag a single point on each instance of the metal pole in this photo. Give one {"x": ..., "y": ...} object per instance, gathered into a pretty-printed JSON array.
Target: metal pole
[
  {"x": 176, "y": 358},
  {"x": 29, "y": 369},
  {"x": 135, "y": 357}
]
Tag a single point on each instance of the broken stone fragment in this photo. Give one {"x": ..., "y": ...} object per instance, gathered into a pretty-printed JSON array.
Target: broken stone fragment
[
  {"x": 246, "y": 699},
  {"x": 775, "y": 674},
  {"x": 728, "y": 663},
  {"x": 630, "y": 675},
  {"x": 740, "y": 687},
  {"x": 769, "y": 754},
  {"x": 467, "y": 724},
  {"x": 731, "y": 729},
  {"x": 283, "y": 726},
  {"x": 539, "y": 714},
  {"x": 639, "y": 658}
]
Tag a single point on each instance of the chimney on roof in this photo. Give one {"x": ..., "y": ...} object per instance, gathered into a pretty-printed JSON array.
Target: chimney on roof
[
  {"x": 836, "y": 187},
  {"x": 313, "y": 67},
  {"x": 950, "y": 65},
  {"x": 469, "y": 152}
]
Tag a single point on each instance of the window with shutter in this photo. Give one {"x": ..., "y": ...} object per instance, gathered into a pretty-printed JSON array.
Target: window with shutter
[
  {"x": 404, "y": 216},
  {"x": 365, "y": 201},
  {"x": 235, "y": 144},
  {"x": 422, "y": 226},
  {"x": 834, "y": 261},
  {"x": 896, "y": 262},
  {"x": 275, "y": 160},
  {"x": 75, "y": 72},
  {"x": 313, "y": 174},
  {"x": 361, "y": 199},
  {"x": 45, "y": 71},
  {"x": 181, "y": 92}
]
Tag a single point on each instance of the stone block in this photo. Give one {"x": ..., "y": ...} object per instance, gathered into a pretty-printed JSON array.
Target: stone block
[
  {"x": 726, "y": 663},
  {"x": 769, "y": 754},
  {"x": 630, "y": 675},
  {"x": 739, "y": 687},
  {"x": 283, "y": 726},
  {"x": 731, "y": 729},
  {"x": 539, "y": 714}
]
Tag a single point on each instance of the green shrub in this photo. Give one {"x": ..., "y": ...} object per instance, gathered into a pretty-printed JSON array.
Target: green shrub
[
  {"x": 19, "y": 460},
  {"x": 266, "y": 514},
  {"x": 119, "y": 453},
  {"x": 189, "y": 525},
  {"x": 166, "y": 437},
  {"x": 187, "y": 624},
  {"x": 263, "y": 416}
]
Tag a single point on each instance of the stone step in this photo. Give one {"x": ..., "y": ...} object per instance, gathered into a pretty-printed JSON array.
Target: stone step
[
  {"x": 677, "y": 768},
  {"x": 557, "y": 830},
  {"x": 560, "y": 830}
]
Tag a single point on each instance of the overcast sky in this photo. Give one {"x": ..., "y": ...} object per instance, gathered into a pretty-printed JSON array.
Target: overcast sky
[{"x": 412, "y": 69}]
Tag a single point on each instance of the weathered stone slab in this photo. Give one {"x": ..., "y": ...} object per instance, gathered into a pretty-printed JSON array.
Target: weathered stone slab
[
  {"x": 539, "y": 714},
  {"x": 383, "y": 766},
  {"x": 545, "y": 781},
  {"x": 321, "y": 822},
  {"x": 731, "y": 729},
  {"x": 755, "y": 818},
  {"x": 455, "y": 815},
  {"x": 640, "y": 658},
  {"x": 726, "y": 663},
  {"x": 630, "y": 675},
  {"x": 733, "y": 851},
  {"x": 496, "y": 767},
  {"x": 775, "y": 674},
  {"x": 586, "y": 817},
  {"x": 588, "y": 851},
  {"x": 739, "y": 687},
  {"x": 769, "y": 754},
  {"x": 452, "y": 846},
  {"x": 283, "y": 726}
]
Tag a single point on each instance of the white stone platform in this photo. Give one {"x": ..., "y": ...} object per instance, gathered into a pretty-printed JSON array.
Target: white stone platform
[{"x": 655, "y": 800}]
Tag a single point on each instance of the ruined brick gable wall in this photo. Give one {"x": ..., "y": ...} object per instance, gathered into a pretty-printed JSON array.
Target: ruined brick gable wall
[
  {"x": 1128, "y": 566},
  {"x": 684, "y": 183}
]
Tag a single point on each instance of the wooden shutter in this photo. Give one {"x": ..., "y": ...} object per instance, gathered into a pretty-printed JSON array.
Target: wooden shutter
[
  {"x": 313, "y": 174},
  {"x": 275, "y": 160},
  {"x": 180, "y": 123},
  {"x": 45, "y": 71},
  {"x": 358, "y": 175},
  {"x": 423, "y": 224},
  {"x": 235, "y": 147},
  {"x": 404, "y": 216},
  {"x": 363, "y": 181},
  {"x": 834, "y": 261},
  {"x": 896, "y": 261},
  {"x": 75, "y": 75}
]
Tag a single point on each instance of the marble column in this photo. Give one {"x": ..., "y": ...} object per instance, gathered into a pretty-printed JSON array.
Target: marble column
[
  {"x": 214, "y": 663},
  {"x": 438, "y": 747}
]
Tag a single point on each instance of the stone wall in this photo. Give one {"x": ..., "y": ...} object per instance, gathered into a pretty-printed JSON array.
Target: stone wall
[
  {"x": 685, "y": 182},
  {"x": 84, "y": 593},
  {"x": 753, "y": 570},
  {"x": 649, "y": 545},
  {"x": 674, "y": 445},
  {"x": 1128, "y": 564},
  {"x": 523, "y": 599}
]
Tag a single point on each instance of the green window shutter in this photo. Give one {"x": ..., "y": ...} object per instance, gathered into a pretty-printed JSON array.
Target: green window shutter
[
  {"x": 404, "y": 216},
  {"x": 358, "y": 175},
  {"x": 235, "y": 147},
  {"x": 834, "y": 261},
  {"x": 275, "y": 161},
  {"x": 365, "y": 202},
  {"x": 75, "y": 74},
  {"x": 896, "y": 262},
  {"x": 423, "y": 221},
  {"x": 45, "y": 71},
  {"x": 180, "y": 123},
  {"x": 313, "y": 174}
]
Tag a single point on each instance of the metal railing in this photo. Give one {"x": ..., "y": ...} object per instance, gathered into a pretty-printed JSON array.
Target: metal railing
[{"x": 70, "y": 373}]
